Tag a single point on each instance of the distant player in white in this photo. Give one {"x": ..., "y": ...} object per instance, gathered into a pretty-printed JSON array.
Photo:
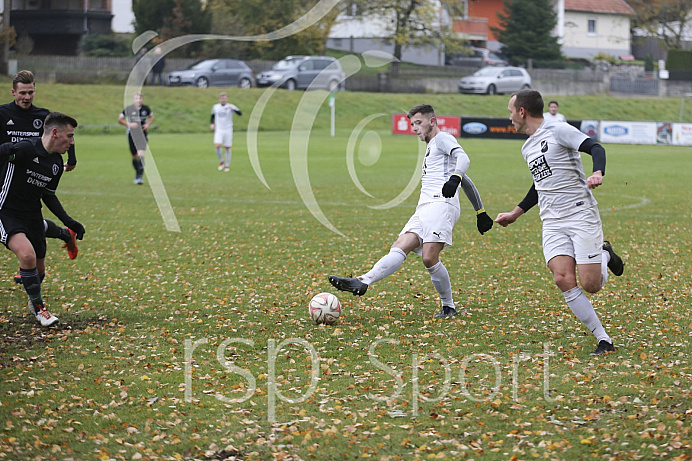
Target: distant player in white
[
  {"x": 221, "y": 124},
  {"x": 572, "y": 230},
  {"x": 552, "y": 115},
  {"x": 429, "y": 230}
]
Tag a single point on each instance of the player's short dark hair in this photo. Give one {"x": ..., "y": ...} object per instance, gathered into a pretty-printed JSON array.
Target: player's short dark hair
[
  {"x": 424, "y": 109},
  {"x": 23, "y": 76},
  {"x": 531, "y": 101},
  {"x": 58, "y": 120},
  {"x": 553, "y": 102}
]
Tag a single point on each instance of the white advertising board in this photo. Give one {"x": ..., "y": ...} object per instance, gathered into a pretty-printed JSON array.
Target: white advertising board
[
  {"x": 682, "y": 134},
  {"x": 627, "y": 132}
]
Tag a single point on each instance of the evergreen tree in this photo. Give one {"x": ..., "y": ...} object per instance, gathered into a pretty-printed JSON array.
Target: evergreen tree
[
  {"x": 526, "y": 31},
  {"x": 172, "y": 18}
]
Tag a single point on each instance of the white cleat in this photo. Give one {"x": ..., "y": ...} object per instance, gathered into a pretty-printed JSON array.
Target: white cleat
[{"x": 44, "y": 317}]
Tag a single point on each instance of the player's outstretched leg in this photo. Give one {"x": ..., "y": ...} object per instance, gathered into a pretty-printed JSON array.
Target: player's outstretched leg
[
  {"x": 615, "y": 264},
  {"x": 352, "y": 285}
]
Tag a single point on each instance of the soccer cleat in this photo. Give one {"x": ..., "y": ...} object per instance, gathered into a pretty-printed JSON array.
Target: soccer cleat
[
  {"x": 44, "y": 317},
  {"x": 226, "y": 169},
  {"x": 18, "y": 278},
  {"x": 221, "y": 165},
  {"x": 603, "y": 347},
  {"x": 71, "y": 245},
  {"x": 615, "y": 264},
  {"x": 352, "y": 285},
  {"x": 446, "y": 312}
]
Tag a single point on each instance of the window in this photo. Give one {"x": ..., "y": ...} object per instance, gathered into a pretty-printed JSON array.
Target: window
[{"x": 592, "y": 27}]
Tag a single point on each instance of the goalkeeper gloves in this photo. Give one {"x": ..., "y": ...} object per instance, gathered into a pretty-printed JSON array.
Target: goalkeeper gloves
[
  {"x": 483, "y": 221},
  {"x": 450, "y": 187}
]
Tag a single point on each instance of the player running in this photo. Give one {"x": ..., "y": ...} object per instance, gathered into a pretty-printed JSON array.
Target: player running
[
  {"x": 30, "y": 171},
  {"x": 430, "y": 229},
  {"x": 221, "y": 123},
  {"x": 572, "y": 230}
]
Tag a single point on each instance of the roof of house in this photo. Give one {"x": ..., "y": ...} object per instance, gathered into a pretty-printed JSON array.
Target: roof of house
[{"x": 599, "y": 6}]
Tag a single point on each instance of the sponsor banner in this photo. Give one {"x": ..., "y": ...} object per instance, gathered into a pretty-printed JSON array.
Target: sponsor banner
[
  {"x": 477, "y": 127},
  {"x": 682, "y": 134},
  {"x": 402, "y": 125},
  {"x": 664, "y": 133},
  {"x": 628, "y": 132},
  {"x": 589, "y": 128}
]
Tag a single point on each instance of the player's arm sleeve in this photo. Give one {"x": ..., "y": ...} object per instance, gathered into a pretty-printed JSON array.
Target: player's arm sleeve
[
  {"x": 463, "y": 162},
  {"x": 213, "y": 117},
  {"x": 530, "y": 200},
  {"x": 71, "y": 156},
  {"x": 597, "y": 153},
  {"x": 472, "y": 194},
  {"x": 237, "y": 110},
  {"x": 53, "y": 203}
]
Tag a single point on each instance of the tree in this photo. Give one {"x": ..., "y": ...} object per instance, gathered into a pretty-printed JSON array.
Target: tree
[
  {"x": 409, "y": 22},
  {"x": 171, "y": 18},
  {"x": 526, "y": 31},
  {"x": 666, "y": 20},
  {"x": 237, "y": 17}
]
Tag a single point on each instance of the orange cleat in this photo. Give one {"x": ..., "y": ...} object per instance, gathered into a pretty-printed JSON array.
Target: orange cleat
[{"x": 71, "y": 246}]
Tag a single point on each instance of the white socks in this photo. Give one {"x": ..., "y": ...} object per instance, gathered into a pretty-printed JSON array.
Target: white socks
[
  {"x": 219, "y": 153},
  {"x": 582, "y": 308},
  {"x": 387, "y": 265},
  {"x": 604, "y": 268},
  {"x": 441, "y": 282}
]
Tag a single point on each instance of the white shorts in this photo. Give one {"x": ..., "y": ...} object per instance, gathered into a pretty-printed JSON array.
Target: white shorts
[
  {"x": 432, "y": 222},
  {"x": 579, "y": 236},
  {"x": 223, "y": 137}
]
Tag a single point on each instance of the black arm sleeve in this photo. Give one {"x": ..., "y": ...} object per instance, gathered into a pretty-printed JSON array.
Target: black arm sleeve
[
  {"x": 597, "y": 152},
  {"x": 530, "y": 200},
  {"x": 238, "y": 112},
  {"x": 211, "y": 120},
  {"x": 6, "y": 151},
  {"x": 54, "y": 205},
  {"x": 71, "y": 157}
]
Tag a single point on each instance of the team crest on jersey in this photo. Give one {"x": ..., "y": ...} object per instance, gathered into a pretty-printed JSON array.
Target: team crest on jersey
[
  {"x": 544, "y": 146},
  {"x": 56, "y": 169},
  {"x": 38, "y": 123},
  {"x": 540, "y": 169}
]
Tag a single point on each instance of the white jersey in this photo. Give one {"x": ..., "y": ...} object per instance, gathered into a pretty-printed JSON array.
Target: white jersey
[
  {"x": 441, "y": 157},
  {"x": 555, "y": 163},
  {"x": 223, "y": 116},
  {"x": 554, "y": 118}
]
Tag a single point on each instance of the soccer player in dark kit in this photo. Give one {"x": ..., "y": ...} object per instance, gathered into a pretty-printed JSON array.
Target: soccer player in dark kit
[
  {"x": 137, "y": 117},
  {"x": 21, "y": 119},
  {"x": 30, "y": 171}
]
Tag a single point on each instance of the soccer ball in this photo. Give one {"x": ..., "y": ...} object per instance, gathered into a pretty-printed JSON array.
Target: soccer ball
[{"x": 325, "y": 308}]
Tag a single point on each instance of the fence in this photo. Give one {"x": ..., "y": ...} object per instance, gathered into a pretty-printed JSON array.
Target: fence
[{"x": 557, "y": 82}]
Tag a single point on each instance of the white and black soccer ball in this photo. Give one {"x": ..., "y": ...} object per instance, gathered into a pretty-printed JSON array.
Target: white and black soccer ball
[{"x": 325, "y": 308}]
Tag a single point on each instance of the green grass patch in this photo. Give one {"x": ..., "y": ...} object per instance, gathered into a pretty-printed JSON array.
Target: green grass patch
[{"x": 198, "y": 344}]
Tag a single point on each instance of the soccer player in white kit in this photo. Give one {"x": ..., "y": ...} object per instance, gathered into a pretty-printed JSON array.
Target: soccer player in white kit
[
  {"x": 430, "y": 229},
  {"x": 553, "y": 115},
  {"x": 572, "y": 230},
  {"x": 221, "y": 124}
]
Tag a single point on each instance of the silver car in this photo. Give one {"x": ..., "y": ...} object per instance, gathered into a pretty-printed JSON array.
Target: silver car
[
  {"x": 301, "y": 72},
  {"x": 214, "y": 72},
  {"x": 496, "y": 80}
]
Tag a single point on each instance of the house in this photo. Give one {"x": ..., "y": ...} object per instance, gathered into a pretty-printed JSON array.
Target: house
[
  {"x": 589, "y": 27},
  {"x": 56, "y": 26},
  {"x": 357, "y": 34},
  {"x": 584, "y": 27}
]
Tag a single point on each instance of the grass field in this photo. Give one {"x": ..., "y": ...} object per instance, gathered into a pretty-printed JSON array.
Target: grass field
[{"x": 198, "y": 344}]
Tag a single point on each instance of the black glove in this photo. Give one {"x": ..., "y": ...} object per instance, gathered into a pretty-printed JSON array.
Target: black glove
[
  {"x": 484, "y": 222},
  {"x": 76, "y": 227},
  {"x": 451, "y": 186}
]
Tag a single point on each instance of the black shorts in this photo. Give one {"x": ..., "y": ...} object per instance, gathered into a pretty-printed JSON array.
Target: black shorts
[
  {"x": 133, "y": 147},
  {"x": 33, "y": 229}
]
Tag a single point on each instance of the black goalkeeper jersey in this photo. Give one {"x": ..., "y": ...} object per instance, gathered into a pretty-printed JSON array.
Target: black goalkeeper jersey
[{"x": 27, "y": 171}]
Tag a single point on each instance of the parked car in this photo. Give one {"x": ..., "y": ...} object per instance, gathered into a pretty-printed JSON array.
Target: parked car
[
  {"x": 301, "y": 72},
  {"x": 214, "y": 72},
  {"x": 475, "y": 57},
  {"x": 495, "y": 80}
]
